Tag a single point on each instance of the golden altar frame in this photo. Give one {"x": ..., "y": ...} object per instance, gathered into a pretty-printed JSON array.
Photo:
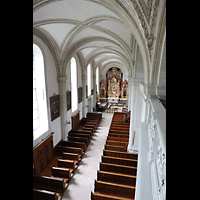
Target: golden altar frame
[{"x": 113, "y": 88}]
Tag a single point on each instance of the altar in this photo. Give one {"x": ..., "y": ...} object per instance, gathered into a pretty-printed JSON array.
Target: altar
[
  {"x": 113, "y": 100},
  {"x": 114, "y": 90}
]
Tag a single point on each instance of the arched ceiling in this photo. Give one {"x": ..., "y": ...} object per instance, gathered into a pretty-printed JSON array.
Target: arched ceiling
[
  {"x": 85, "y": 27},
  {"x": 102, "y": 32}
]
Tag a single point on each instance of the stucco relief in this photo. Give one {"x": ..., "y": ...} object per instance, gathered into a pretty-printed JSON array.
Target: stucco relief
[
  {"x": 161, "y": 168},
  {"x": 147, "y": 14}
]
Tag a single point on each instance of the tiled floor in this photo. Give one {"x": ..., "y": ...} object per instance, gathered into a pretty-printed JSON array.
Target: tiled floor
[{"x": 82, "y": 183}]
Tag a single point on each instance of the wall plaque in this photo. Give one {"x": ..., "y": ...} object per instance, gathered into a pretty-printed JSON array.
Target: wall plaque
[
  {"x": 79, "y": 94},
  {"x": 54, "y": 107},
  {"x": 68, "y": 97}
]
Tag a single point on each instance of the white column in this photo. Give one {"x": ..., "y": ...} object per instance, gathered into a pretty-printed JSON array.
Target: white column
[
  {"x": 129, "y": 92},
  {"x": 84, "y": 81},
  {"x": 135, "y": 120},
  {"x": 94, "y": 89},
  {"x": 63, "y": 105},
  {"x": 131, "y": 131}
]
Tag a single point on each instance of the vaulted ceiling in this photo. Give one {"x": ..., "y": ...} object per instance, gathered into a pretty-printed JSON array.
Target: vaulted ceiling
[{"x": 95, "y": 30}]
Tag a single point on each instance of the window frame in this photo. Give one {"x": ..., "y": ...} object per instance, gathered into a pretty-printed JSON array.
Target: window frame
[
  {"x": 45, "y": 96},
  {"x": 89, "y": 79},
  {"x": 74, "y": 101}
]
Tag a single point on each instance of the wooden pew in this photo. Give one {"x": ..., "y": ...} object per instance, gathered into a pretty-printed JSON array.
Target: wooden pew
[
  {"x": 120, "y": 154},
  {"x": 59, "y": 149},
  {"x": 118, "y": 168},
  {"x": 90, "y": 126},
  {"x": 119, "y": 161},
  {"x": 115, "y": 189},
  {"x": 88, "y": 129},
  {"x": 116, "y": 178},
  {"x": 123, "y": 127},
  {"x": 67, "y": 164},
  {"x": 127, "y": 127},
  {"x": 78, "y": 139},
  {"x": 92, "y": 120},
  {"x": 61, "y": 172},
  {"x": 119, "y": 128},
  {"x": 73, "y": 144},
  {"x": 92, "y": 115},
  {"x": 116, "y": 143},
  {"x": 118, "y": 135},
  {"x": 115, "y": 148},
  {"x": 120, "y": 123},
  {"x": 119, "y": 132},
  {"x": 100, "y": 196},
  {"x": 80, "y": 135},
  {"x": 117, "y": 139},
  {"x": 71, "y": 156},
  {"x": 44, "y": 194},
  {"x": 49, "y": 183},
  {"x": 82, "y": 131}
]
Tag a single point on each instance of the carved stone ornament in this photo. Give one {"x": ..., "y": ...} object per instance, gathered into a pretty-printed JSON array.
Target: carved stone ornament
[
  {"x": 161, "y": 168},
  {"x": 153, "y": 134},
  {"x": 147, "y": 14}
]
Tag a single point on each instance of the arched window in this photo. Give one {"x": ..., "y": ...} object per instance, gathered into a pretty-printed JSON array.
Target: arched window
[
  {"x": 74, "y": 85},
  {"x": 97, "y": 79},
  {"x": 89, "y": 79},
  {"x": 40, "y": 117}
]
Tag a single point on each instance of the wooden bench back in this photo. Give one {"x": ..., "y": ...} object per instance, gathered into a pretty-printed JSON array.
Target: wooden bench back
[
  {"x": 73, "y": 144},
  {"x": 61, "y": 172},
  {"x": 88, "y": 129},
  {"x": 44, "y": 194},
  {"x": 115, "y": 148},
  {"x": 83, "y": 132},
  {"x": 71, "y": 156},
  {"x": 115, "y": 189},
  {"x": 59, "y": 149},
  {"x": 117, "y": 139},
  {"x": 118, "y": 135},
  {"x": 80, "y": 135},
  {"x": 48, "y": 183},
  {"x": 78, "y": 139},
  {"x": 116, "y": 143},
  {"x": 120, "y": 154},
  {"x": 66, "y": 163},
  {"x": 118, "y": 132},
  {"x": 118, "y": 168},
  {"x": 116, "y": 178},
  {"x": 119, "y": 161}
]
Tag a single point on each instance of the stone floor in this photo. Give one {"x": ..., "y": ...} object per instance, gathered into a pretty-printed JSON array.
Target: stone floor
[{"x": 82, "y": 183}]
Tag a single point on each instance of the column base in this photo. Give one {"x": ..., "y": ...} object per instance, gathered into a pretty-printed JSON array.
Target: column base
[{"x": 132, "y": 149}]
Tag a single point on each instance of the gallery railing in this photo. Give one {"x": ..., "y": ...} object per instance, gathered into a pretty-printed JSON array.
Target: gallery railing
[{"x": 152, "y": 154}]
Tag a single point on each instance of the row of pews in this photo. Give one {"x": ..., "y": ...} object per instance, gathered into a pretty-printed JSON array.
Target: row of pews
[
  {"x": 53, "y": 168},
  {"x": 116, "y": 179}
]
